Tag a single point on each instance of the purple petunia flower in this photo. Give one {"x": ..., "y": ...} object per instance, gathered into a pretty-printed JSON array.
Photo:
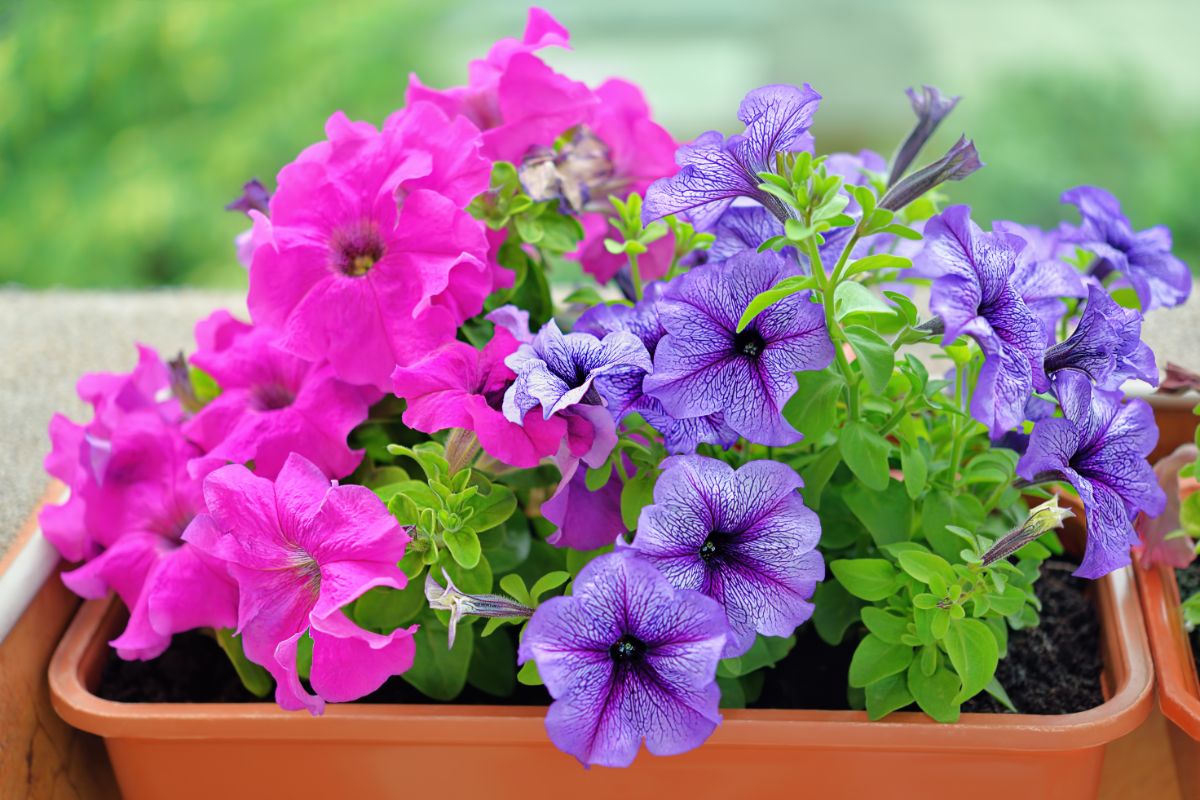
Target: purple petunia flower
[
  {"x": 974, "y": 295},
  {"x": 627, "y": 657},
  {"x": 623, "y": 389},
  {"x": 1106, "y": 345},
  {"x": 1143, "y": 258},
  {"x": 704, "y": 365},
  {"x": 744, "y": 228},
  {"x": 960, "y": 161},
  {"x": 557, "y": 371},
  {"x": 1041, "y": 277},
  {"x": 744, "y": 538},
  {"x": 714, "y": 169},
  {"x": 1099, "y": 446},
  {"x": 931, "y": 107}
]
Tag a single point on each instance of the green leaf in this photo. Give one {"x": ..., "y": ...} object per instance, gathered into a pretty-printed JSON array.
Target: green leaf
[
  {"x": 507, "y": 546},
  {"x": 514, "y": 586},
  {"x": 886, "y": 515},
  {"x": 877, "y": 261},
  {"x": 493, "y": 665},
  {"x": 997, "y": 691},
  {"x": 923, "y": 566},
  {"x": 636, "y": 494},
  {"x": 875, "y": 659},
  {"x": 384, "y": 609},
  {"x": 464, "y": 545},
  {"x": 596, "y": 479},
  {"x": 785, "y": 288},
  {"x": 528, "y": 674},
  {"x": 256, "y": 679},
  {"x": 974, "y": 655},
  {"x": 812, "y": 410},
  {"x": 866, "y": 454},
  {"x": 836, "y": 610},
  {"x": 732, "y": 693},
  {"x": 767, "y": 651},
  {"x": 887, "y": 626},
  {"x": 867, "y": 578},
  {"x": 472, "y": 580},
  {"x": 851, "y": 297},
  {"x": 584, "y": 296},
  {"x": 875, "y": 356},
  {"x": 915, "y": 469},
  {"x": 437, "y": 671},
  {"x": 816, "y": 475},
  {"x": 491, "y": 509},
  {"x": 935, "y": 693},
  {"x": 578, "y": 559},
  {"x": 547, "y": 582},
  {"x": 941, "y": 508},
  {"x": 887, "y": 695}
]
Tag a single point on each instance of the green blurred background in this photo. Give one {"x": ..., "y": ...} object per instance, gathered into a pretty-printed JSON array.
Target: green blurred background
[{"x": 126, "y": 125}]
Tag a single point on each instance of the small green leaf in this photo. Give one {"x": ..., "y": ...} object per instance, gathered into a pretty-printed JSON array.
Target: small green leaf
[
  {"x": 866, "y": 454},
  {"x": 887, "y": 514},
  {"x": 915, "y": 469},
  {"x": 547, "y": 582},
  {"x": 974, "y": 655},
  {"x": 493, "y": 666},
  {"x": 836, "y": 610},
  {"x": 867, "y": 578},
  {"x": 438, "y": 671},
  {"x": 923, "y": 566},
  {"x": 464, "y": 545},
  {"x": 875, "y": 659},
  {"x": 514, "y": 586},
  {"x": 528, "y": 674},
  {"x": 887, "y": 695},
  {"x": 491, "y": 509},
  {"x": 852, "y": 297},
  {"x": 636, "y": 494},
  {"x": 997, "y": 691},
  {"x": 256, "y": 679},
  {"x": 887, "y": 626},
  {"x": 935, "y": 693},
  {"x": 875, "y": 356},
  {"x": 785, "y": 288},
  {"x": 812, "y": 410}
]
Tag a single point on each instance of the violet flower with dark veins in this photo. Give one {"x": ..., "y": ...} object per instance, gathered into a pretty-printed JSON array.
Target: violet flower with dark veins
[
  {"x": 960, "y": 161},
  {"x": 623, "y": 389},
  {"x": 1106, "y": 345},
  {"x": 704, "y": 365},
  {"x": 931, "y": 107},
  {"x": 557, "y": 371},
  {"x": 974, "y": 295},
  {"x": 1041, "y": 277},
  {"x": 1099, "y": 446},
  {"x": 744, "y": 538},
  {"x": 714, "y": 170},
  {"x": 627, "y": 657},
  {"x": 1143, "y": 258}
]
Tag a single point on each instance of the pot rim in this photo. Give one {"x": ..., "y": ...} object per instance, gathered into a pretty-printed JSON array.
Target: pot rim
[
  {"x": 1129, "y": 680},
  {"x": 1175, "y": 667}
]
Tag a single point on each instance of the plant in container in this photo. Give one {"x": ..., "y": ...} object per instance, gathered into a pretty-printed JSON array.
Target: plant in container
[
  {"x": 1169, "y": 571},
  {"x": 716, "y": 495}
]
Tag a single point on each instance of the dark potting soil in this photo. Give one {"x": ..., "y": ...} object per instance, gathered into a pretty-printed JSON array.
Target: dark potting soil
[
  {"x": 1189, "y": 583},
  {"x": 1051, "y": 669}
]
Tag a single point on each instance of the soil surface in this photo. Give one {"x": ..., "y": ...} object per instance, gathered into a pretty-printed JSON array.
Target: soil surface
[
  {"x": 1052, "y": 669},
  {"x": 1189, "y": 584}
]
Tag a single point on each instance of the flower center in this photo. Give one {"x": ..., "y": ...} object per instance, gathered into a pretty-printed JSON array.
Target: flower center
[
  {"x": 627, "y": 649},
  {"x": 355, "y": 248},
  {"x": 749, "y": 343},
  {"x": 271, "y": 397},
  {"x": 708, "y": 550}
]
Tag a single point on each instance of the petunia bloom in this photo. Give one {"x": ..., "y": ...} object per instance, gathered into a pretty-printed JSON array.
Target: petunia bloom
[
  {"x": 974, "y": 295},
  {"x": 1099, "y": 446},
  {"x": 714, "y": 170},
  {"x": 627, "y": 657},
  {"x": 301, "y": 549},
  {"x": 623, "y": 390},
  {"x": 743, "y": 537},
  {"x": 349, "y": 276},
  {"x": 459, "y": 386},
  {"x": 1106, "y": 345},
  {"x": 512, "y": 96},
  {"x": 457, "y": 602},
  {"x": 1041, "y": 277},
  {"x": 704, "y": 365},
  {"x": 271, "y": 404},
  {"x": 1143, "y": 258}
]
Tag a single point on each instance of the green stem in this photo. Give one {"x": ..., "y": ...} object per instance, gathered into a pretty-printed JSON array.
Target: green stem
[
  {"x": 635, "y": 273},
  {"x": 959, "y": 442},
  {"x": 828, "y": 290}
]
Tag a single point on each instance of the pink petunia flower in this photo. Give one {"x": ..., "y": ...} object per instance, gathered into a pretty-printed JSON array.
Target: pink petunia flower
[
  {"x": 1158, "y": 545},
  {"x": 348, "y": 275},
  {"x": 300, "y": 549},
  {"x": 512, "y": 96},
  {"x": 461, "y": 387},
  {"x": 639, "y": 151},
  {"x": 271, "y": 404}
]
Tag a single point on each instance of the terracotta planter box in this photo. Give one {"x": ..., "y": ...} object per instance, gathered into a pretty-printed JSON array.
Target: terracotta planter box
[
  {"x": 223, "y": 751},
  {"x": 1175, "y": 667}
]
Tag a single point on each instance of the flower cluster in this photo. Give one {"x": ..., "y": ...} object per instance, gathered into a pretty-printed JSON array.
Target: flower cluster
[{"x": 641, "y": 486}]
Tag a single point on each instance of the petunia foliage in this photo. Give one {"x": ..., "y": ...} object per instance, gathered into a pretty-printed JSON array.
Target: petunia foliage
[{"x": 784, "y": 395}]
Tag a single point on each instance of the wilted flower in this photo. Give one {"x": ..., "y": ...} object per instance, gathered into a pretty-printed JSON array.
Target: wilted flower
[
  {"x": 714, "y": 169},
  {"x": 451, "y": 598},
  {"x": 1144, "y": 258},
  {"x": 704, "y": 365},
  {"x": 1099, "y": 446},
  {"x": 1041, "y": 520},
  {"x": 931, "y": 107},
  {"x": 974, "y": 295},
  {"x": 960, "y": 161},
  {"x": 1162, "y": 540},
  {"x": 627, "y": 657},
  {"x": 1106, "y": 345},
  {"x": 743, "y": 537},
  {"x": 301, "y": 549}
]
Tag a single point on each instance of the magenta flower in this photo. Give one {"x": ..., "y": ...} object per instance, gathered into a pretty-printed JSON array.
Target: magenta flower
[
  {"x": 461, "y": 387},
  {"x": 300, "y": 549},
  {"x": 742, "y": 537},
  {"x": 627, "y": 657},
  {"x": 512, "y": 96},
  {"x": 349, "y": 277},
  {"x": 271, "y": 404}
]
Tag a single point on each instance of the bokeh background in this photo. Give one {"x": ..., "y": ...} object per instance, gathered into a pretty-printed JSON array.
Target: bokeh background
[{"x": 126, "y": 125}]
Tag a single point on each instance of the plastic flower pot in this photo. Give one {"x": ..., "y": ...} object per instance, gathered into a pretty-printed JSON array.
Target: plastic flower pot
[
  {"x": 1175, "y": 667},
  {"x": 256, "y": 750}
]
